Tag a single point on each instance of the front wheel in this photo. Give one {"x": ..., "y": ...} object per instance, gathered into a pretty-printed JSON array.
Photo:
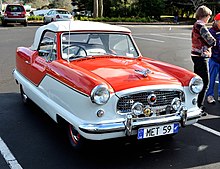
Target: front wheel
[
  {"x": 4, "y": 23},
  {"x": 44, "y": 20},
  {"x": 24, "y": 97},
  {"x": 76, "y": 140},
  {"x": 25, "y": 23}
]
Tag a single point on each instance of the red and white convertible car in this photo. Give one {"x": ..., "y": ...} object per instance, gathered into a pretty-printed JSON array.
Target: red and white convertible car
[{"x": 91, "y": 77}]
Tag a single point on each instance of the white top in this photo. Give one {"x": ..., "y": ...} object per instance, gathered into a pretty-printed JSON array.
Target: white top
[{"x": 65, "y": 26}]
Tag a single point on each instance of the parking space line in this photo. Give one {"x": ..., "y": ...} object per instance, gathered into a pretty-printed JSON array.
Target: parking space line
[
  {"x": 154, "y": 40},
  {"x": 172, "y": 37},
  {"x": 217, "y": 133},
  {"x": 161, "y": 35},
  {"x": 8, "y": 156}
]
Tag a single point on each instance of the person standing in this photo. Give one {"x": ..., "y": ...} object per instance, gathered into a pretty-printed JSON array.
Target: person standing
[
  {"x": 202, "y": 41},
  {"x": 214, "y": 61},
  {"x": 176, "y": 16}
]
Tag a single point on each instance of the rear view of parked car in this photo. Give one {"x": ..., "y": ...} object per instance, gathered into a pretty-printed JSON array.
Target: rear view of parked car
[
  {"x": 14, "y": 13},
  {"x": 57, "y": 15}
]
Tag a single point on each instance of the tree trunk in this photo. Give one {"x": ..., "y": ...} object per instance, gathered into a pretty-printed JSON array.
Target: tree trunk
[
  {"x": 95, "y": 9},
  {"x": 100, "y": 8}
]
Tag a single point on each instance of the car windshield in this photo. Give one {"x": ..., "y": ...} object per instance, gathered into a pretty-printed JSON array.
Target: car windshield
[
  {"x": 78, "y": 45},
  {"x": 62, "y": 12}
]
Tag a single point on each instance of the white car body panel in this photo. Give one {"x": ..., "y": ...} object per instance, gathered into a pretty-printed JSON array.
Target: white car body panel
[{"x": 56, "y": 98}]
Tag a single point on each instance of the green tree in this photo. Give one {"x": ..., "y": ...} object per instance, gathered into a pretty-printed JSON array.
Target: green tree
[
  {"x": 197, "y": 3},
  {"x": 119, "y": 8},
  {"x": 153, "y": 8},
  {"x": 186, "y": 7},
  {"x": 66, "y": 4},
  {"x": 86, "y": 4},
  {"x": 39, "y": 3}
]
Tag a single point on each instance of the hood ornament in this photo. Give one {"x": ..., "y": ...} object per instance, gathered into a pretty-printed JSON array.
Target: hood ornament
[{"x": 143, "y": 72}]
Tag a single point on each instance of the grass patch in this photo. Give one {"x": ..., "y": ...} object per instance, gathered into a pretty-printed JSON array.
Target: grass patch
[{"x": 35, "y": 18}]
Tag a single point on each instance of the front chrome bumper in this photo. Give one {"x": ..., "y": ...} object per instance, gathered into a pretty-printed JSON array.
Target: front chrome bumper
[{"x": 130, "y": 123}]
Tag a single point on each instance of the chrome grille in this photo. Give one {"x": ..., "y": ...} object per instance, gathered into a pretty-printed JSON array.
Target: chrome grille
[{"x": 163, "y": 98}]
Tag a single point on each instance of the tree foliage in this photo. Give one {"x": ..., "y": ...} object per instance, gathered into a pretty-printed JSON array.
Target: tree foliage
[
  {"x": 150, "y": 8},
  {"x": 39, "y": 3},
  {"x": 197, "y": 3},
  {"x": 66, "y": 4},
  {"x": 129, "y": 8},
  {"x": 188, "y": 7}
]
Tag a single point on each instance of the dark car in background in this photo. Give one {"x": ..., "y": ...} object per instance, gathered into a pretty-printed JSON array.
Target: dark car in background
[{"x": 14, "y": 13}]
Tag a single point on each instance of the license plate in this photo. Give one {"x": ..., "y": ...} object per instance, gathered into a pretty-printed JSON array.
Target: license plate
[
  {"x": 161, "y": 130},
  {"x": 16, "y": 13}
]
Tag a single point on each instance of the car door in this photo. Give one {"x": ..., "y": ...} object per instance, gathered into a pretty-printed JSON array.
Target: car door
[
  {"x": 52, "y": 16},
  {"x": 46, "y": 54},
  {"x": 24, "y": 59},
  {"x": 48, "y": 16}
]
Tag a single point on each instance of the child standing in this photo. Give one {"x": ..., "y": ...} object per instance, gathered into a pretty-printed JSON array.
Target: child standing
[
  {"x": 214, "y": 61},
  {"x": 202, "y": 41}
]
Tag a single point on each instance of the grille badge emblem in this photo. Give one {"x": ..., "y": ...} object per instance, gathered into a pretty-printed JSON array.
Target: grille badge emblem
[
  {"x": 151, "y": 99},
  {"x": 147, "y": 111}
]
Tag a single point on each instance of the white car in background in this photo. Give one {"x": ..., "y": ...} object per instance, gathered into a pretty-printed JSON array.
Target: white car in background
[
  {"x": 40, "y": 12},
  {"x": 57, "y": 15}
]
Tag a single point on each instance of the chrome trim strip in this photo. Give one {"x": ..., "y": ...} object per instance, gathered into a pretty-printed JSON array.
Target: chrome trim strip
[
  {"x": 149, "y": 88},
  {"x": 137, "y": 123}
]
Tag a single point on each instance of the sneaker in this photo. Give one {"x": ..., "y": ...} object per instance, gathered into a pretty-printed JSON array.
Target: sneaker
[
  {"x": 210, "y": 100},
  {"x": 203, "y": 113},
  {"x": 202, "y": 108}
]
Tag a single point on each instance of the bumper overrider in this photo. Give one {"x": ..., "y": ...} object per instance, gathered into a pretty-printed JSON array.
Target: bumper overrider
[{"x": 130, "y": 123}]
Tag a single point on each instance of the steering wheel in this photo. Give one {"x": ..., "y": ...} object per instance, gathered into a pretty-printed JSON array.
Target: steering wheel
[{"x": 74, "y": 51}]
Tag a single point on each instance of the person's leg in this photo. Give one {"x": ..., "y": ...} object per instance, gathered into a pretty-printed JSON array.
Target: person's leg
[
  {"x": 218, "y": 81},
  {"x": 213, "y": 71},
  {"x": 201, "y": 69}
]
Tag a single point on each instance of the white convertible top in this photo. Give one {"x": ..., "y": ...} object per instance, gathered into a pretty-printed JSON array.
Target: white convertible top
[{"x": 64, "y": 26}]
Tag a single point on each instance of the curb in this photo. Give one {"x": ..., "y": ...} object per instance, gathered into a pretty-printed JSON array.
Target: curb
[{"x": 36, "y": 23}]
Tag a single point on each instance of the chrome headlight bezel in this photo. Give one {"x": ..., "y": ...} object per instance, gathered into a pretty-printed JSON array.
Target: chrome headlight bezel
[
  {"x": 137, "y": 109},
  {"x": 100, "y": 95},
  {"x": 176, "y": 103},
  {"x": 196, "y": 85}
]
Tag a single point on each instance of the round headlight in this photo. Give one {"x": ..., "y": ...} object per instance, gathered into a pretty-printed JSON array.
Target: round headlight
[
  {"x": 176, "y": 103},
  {"x": 100, "y": 95},
  {"x": 137, "y": 108},
  {"x": 196, "y": 84}
]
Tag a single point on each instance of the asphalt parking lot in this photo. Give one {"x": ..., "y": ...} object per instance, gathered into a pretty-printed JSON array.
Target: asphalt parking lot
[{"x": 29, "y": 139}]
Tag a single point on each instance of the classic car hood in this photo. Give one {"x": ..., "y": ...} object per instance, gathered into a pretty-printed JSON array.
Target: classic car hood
[{"x": 123, "y": 73}]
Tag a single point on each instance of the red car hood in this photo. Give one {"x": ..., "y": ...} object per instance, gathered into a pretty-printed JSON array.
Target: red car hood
[{"x": 123, "y": 73}]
